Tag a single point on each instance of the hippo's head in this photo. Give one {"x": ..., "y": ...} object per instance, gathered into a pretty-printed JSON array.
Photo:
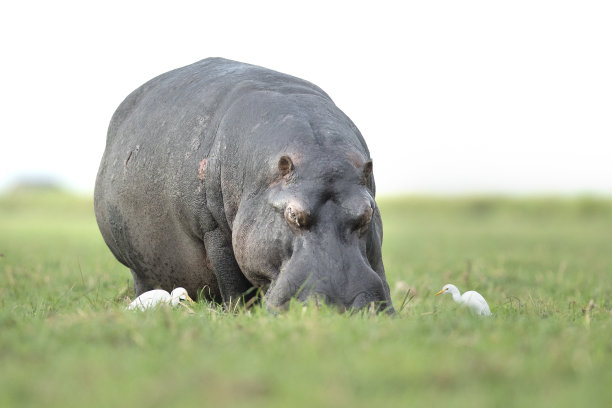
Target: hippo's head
[{"x": 315, "y": 231}]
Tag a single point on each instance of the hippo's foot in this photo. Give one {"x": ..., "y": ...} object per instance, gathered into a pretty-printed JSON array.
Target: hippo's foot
[{"x": 235, "y": 288}]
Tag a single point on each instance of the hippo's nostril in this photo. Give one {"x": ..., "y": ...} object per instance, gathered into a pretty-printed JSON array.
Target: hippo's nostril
[
  {"x": 366, "y": 300},
  {"x": 359, "y": 301}
]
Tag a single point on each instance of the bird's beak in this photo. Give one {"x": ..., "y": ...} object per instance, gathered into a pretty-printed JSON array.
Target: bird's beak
[
  {"x": 440, "y": 292},
  {"x": 190, "y": 300}
]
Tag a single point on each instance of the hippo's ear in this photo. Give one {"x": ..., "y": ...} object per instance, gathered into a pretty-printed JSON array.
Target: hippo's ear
[
  {"x": 367, "y": 172},
  {"x": 367, "y": 169},
  {"x": 285, "y": 165}
]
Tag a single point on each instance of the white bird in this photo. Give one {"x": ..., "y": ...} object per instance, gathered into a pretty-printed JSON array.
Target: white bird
[
  {"x": 471, "y": 299},
  {"x": 156, "y": 297}
]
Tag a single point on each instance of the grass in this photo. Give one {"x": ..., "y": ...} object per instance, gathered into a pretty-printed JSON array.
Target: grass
[{"x": 544, "y": 265}]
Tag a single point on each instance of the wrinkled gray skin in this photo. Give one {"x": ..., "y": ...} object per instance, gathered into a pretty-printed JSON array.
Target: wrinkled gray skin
[{"x": 225, "y": 176}]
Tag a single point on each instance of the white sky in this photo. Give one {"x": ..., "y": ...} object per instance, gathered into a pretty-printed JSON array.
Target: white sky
[{"x": 451, "y": 96}]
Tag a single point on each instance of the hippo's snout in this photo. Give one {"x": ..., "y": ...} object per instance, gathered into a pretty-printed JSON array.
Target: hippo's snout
[{"x": 333, "y": 291}]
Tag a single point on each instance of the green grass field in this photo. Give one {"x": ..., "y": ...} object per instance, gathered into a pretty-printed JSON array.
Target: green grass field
[{"x": 544, "y": 265}]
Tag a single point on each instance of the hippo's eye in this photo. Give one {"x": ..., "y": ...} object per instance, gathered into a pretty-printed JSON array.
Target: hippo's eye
[
  {"x": 363, "y": 222},
  {"x": 292, "y": 216},
  {"x": 296, "y": 217}
]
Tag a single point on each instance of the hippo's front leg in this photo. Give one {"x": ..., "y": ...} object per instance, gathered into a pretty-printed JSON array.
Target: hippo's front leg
[
  {"x": 140, "y": 285},
  {"x": 232, "y": 283}
]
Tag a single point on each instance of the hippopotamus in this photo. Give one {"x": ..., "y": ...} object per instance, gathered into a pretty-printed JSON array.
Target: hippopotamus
[{"x": 223, "y": 177}]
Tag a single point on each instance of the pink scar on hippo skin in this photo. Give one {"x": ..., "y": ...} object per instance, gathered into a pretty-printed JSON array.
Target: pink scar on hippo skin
[{"x": 201, "y": 174}]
